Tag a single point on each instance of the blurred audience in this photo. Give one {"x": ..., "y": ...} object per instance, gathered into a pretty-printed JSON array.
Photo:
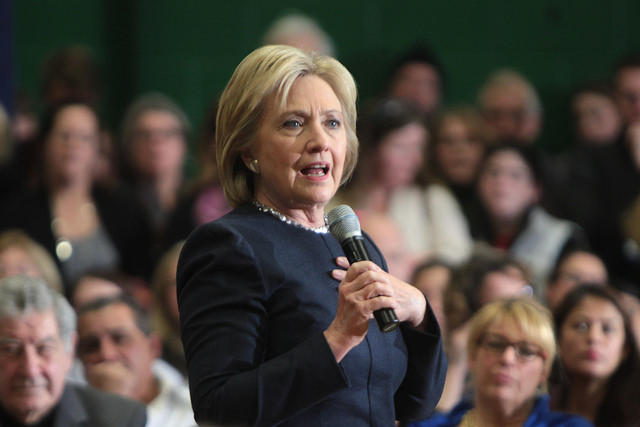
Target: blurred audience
[
  {"x": 573, "y": 269},
  {"x": 393, "y": 139},
  {"x": 83, "y": 225},
  {"x": 154, "y": 138},
  {"x": 37, "y": 341},
  {"x": 511, "y": 350},
  {"x": 418, "y": 76},
  {"x": 510, "y": 218},
  {"x": 596, "y": 115},
  {"x": 203, "y": 200},
  {"x": 432, "y": 277},
  {"x": 511, "y": 106},
  {"x": 164, "y": 312},
  {"x": 22, "y": 256},
  {"x": 301, "y": 31},
  {"x": 460, "y": 138},
  {"x": 599, "y": 363},
  {"x": 118, "y": 349}
]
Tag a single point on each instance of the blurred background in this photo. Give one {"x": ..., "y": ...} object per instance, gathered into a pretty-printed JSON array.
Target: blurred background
[{"x": 188, "y": 49}]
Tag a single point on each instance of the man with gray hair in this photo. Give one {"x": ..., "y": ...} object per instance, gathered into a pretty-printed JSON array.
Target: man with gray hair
[{"x": 37, "y": 340}]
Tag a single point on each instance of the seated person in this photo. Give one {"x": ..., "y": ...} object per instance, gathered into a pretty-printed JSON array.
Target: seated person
[
  {"x": 574, "y": 268},
  {"x": 511, "y": 349},
  {"x": 118, "y": 350},
  {"x": 37, "y": 340},
  {"x": 21, "y": 255}
]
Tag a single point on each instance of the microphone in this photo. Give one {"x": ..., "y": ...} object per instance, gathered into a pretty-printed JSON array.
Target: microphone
[{"x": 345, "y": 227}]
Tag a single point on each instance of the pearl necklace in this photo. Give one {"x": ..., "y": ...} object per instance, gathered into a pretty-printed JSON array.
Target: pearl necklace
[{"x": 265, "y": 209}]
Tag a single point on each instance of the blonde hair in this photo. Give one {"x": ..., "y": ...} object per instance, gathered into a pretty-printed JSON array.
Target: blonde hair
[
  {"x": 37, "y": 253},
  {"x": 530, "y": 316},
  {"x": 272, "y": 70}
]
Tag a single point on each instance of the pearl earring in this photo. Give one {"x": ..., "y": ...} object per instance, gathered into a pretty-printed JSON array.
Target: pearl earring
[{"x": 253, "y": 166}]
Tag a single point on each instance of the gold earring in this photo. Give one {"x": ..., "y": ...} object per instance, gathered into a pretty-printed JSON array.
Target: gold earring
[{"x": 253, "y": 166}]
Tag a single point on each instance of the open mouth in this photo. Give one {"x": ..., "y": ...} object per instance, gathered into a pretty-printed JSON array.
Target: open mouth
[{"x": 315, "y": 170}]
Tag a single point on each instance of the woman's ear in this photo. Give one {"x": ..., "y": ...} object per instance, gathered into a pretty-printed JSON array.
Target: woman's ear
[{"x": 250, "y": 162}]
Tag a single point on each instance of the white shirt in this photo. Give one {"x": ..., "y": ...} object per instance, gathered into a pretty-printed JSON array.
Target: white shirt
[{"x": 172, "y": 406}]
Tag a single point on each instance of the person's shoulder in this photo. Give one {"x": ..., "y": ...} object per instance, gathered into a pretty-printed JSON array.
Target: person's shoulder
[
  {"x": 542, "y": 416},
  {"x": 107, "y": 409},
  {"x": 445, "y": 419}
]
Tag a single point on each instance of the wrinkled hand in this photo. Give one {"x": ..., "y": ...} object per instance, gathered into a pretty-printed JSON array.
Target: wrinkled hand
[
  {"x": 110, "y": 376},
  {"x": 365, "y": 288}
]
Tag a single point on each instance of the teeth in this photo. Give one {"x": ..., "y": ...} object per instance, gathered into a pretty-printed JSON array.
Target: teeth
[{"x": 316, "y": 170}]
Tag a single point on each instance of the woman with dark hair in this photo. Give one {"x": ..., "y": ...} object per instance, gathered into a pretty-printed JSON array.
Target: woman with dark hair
[
  {"x": 509, "y": 216},
  {"x": 394, "y": 141},
  {"x": 83, "y": 225},
  {"x": 599, "y": 357}
]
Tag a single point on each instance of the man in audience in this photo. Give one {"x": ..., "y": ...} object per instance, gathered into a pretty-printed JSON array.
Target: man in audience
[
  {"x": 511, "y": 107},
  {"x": 120, "y": 354},
  {"x": 573, "y": 269},
  {"x": 37, "y": 339}
]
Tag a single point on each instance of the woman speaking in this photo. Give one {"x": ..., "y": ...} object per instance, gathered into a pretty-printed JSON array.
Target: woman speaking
[{"x": 274, "y": 333}]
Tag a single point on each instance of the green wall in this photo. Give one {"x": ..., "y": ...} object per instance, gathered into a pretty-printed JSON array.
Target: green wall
[{"x": 189, "y": 48}]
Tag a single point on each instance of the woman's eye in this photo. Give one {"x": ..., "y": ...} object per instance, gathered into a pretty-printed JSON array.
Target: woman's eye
[
  {"x": 333, "y": 124},
  {"x": 292, "y": 124},
  {"x": 581, "y": 326}
]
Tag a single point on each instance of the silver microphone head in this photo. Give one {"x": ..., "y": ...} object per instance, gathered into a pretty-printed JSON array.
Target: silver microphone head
[{"x": 343, "y": 223}]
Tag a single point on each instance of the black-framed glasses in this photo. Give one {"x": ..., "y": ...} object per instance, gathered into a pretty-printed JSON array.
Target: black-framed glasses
[{"x": 525, "y": 351}]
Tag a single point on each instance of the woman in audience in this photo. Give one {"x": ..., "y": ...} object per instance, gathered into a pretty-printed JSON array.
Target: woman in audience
[
  {"x": 84, "y": 226},
  {"x": 394, "y": 139},
  {"x": 599, "y": 357},
  {"x": 596, "y": 115},
  {"x": 21, "y": 255},
  {"x": 511, "y": 349},
  {"x": 460, "y": 137},
  {"x": 509, "y": 216}
]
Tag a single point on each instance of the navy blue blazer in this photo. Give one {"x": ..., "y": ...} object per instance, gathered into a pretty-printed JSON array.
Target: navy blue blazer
[{"x": 255, "y": 295}]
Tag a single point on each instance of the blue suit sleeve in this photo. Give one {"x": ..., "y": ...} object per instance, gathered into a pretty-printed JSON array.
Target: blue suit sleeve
[{"x": 223, "y": 297}]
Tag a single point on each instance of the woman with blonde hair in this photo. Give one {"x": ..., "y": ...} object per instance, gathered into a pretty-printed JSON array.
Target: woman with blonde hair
[
  {"x": 274, "y": 333},
  {"x": 511, "y": 350},
  {"x": 21, "y": 255}
]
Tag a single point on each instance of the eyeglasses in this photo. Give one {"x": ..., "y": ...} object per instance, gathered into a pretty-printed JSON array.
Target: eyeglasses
[{"x": 524, "y": 351}]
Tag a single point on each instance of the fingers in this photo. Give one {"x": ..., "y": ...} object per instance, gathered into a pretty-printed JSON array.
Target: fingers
[{"x": 343, "y": 262}]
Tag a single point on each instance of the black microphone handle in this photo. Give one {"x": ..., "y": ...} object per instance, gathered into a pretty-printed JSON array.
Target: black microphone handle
[{"x": 355, "y": 251}]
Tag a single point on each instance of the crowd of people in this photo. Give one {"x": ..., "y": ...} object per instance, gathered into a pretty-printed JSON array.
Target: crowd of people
[{"x": 529, "y": 259}]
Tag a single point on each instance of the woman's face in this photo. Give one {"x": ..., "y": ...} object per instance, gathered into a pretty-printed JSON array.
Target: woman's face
[
  {"x": 506, "y": 186},
  {"x": 158, "y": 145},
  {"x": 72, "y": 145},
  {"x": 401, "y": 155},
  {"x": 597, "y": 118},
  {"x": 457, "y": 154},
  {"x": 592, "y": 339},
  {"x": 507, "y": 367},
  {"x": 300, "y": 148}
]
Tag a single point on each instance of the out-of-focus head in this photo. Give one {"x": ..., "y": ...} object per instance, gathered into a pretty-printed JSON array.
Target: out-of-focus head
[
  {"x": 71, "y": 73},
  {"x": 511, "y": 348},
  {"x": 22, "y": 256},
  {"x": 116, "y": 346},
  {"x": 154, "y": 135},
  {"x": 594, "y": 335},
  {"x": 299, "y": 30},
  {"x": 596, "y": 115},
  {"x": 70, "y": 133},
  {"x": 509, "y": 182},
  {"x": 37, "y": 339},
  {"x": 432, "y": 277},
  {"x": 511, "y": 107},
  {"x": 573, "y": 269},
  {"x": 388, "y": 237},
  {"x": 93, "y": 287},
  {"x": 492, "y": 276},
  {"x": 393, "y": 138},
  {"x": 418, "y": 76},
  {"x": 164, "y": 285},
  {"x": 261, "y": 85},
  {"x": 459, "y": 140},
  {"x": 626, "y": 85}
]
